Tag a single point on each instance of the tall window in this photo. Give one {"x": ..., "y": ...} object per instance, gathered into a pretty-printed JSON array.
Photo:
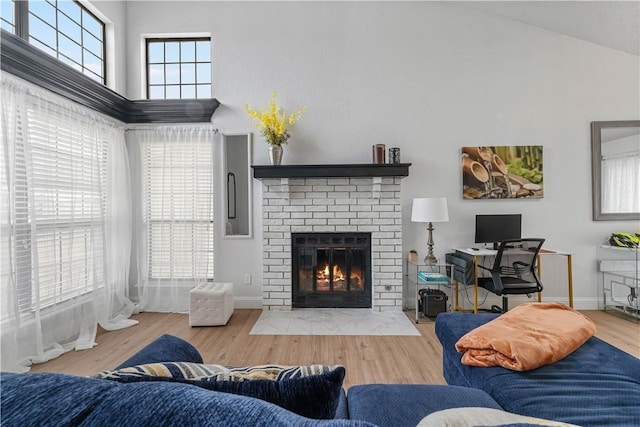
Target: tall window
[
  {"x": 59, "y": 188},
  {"x": 178, "y": 186},
  {"x": 62, "y": 28},
  {"x": 179, "y": 68},
  {"x": 173, "y": 203},
  {"x": 68, "y": 179}
]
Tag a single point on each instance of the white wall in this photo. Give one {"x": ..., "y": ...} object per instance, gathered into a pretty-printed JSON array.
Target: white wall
[
  {"x": 114, "y": 14},
  {"x": 428, "y": 77}
]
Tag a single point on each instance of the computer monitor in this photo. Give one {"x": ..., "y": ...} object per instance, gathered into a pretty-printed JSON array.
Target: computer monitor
[{"x": 496, "y": 228}]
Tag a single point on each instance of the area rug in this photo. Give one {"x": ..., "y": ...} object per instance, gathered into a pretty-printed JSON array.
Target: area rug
[{"x": 333, "y": 321}]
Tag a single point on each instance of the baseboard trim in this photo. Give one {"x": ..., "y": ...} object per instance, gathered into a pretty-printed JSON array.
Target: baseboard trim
[
  {"x": 582, "y": 303},
  {"x": 579, "y": 303},
  {"x": 247, "y": 302}
]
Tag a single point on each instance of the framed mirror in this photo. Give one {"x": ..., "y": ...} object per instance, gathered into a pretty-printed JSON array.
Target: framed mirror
[
  {"x": 236, "y": 152},
  {"x": 615, "y": 170}
]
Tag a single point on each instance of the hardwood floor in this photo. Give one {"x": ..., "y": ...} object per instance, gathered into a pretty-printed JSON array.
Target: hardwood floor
[{"x": 367, "y": 359}]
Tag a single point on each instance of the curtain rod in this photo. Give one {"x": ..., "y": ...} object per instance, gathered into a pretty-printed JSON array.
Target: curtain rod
[
  {"x": 147, "y": 126},
  {"x": 621, "y": 155}
]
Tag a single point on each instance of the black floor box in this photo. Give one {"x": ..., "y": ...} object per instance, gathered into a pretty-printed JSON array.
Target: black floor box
[{"x": 432, "y": 302}]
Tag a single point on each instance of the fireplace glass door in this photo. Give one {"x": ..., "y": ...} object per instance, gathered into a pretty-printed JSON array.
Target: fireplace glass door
[{"x": 331, "y": 270}]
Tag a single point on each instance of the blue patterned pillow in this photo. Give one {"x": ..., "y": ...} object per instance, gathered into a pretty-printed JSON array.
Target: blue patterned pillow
[
  {"x": 311, "y": 391},
  {"x": 41, "y": 399}
]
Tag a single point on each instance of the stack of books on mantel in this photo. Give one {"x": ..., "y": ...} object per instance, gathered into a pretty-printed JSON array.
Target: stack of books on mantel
[{"x": 428, "y": 276}]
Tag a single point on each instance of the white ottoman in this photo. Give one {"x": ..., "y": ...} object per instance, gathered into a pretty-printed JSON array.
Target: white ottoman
[{"x": 210, "y": 304}]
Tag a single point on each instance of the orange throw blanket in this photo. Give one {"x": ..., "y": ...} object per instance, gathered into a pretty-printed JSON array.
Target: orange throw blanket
[{"x": 526, "y": 337}]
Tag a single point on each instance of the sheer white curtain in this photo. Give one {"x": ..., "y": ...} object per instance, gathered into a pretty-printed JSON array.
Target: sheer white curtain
[
  {"x": 621, "y": 183},
  {"x": 64, "y": 225},
  {"x": 172, "y": 185}
]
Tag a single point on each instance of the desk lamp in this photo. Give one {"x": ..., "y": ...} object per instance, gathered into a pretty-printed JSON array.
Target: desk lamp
[{"x": 430, "y": 210}]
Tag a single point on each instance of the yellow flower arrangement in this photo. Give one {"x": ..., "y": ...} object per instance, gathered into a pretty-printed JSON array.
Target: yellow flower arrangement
[{"x": 273, "y": 122}]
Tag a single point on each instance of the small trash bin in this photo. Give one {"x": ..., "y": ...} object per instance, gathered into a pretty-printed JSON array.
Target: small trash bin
[{"x": 432, "y": 302}]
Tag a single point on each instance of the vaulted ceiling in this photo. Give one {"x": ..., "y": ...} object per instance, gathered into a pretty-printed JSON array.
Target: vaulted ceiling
[{"x": 614, "y": 24}]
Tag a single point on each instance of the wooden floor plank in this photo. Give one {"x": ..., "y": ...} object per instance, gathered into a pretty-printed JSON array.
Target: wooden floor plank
[{"x": 367, "y": 359}]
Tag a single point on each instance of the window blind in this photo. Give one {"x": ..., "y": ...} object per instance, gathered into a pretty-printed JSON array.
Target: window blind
[
  {"x": 58, "y": 209},
  {"x": 178, "y": 192}
]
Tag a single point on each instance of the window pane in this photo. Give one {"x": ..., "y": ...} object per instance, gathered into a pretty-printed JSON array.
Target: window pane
[
  {"x": 70, "y": 49},
  {"x": 177, "y": 61},
  {"x": 41, "y": 31},
  {"x": 71, "y": 63},
  {"x": 188, "y": 92},
  {"x": 60, "y": 32},
  {"x": 172, "y": 52},
  {"x": 71, "y": 9},
  {"x": 188, "y": 73},
  {"x": 41, "y": 9},
  {"x": 92, "y": 44},
  {"x": 43, "y": 47},
  {"x": 204, "y": 73},
  {"x": 156, "y": 74},
  {"x": 173, "y": 92},
  {"x": 92, "y": 62},
  {"x": 8, "y": 27},
  {"x": 203, "y": 51},
  {"x": 188, "y": 52},
  {"x": 91, "y": 24},
  {"x": 173, "y": 73},
  {"x": 156, "y": 92},
  {"x": 156, "y": 53},
  {"x": 93, "y": 76},
  {"x": 204, "y": 91},
  {"x": 6, "y": 11},
  {"x": 69, "y": 28}
]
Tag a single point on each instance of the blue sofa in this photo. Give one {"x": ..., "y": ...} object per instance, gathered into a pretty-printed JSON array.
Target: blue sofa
[
  {"x": 596, "y": 385},
  {"x": 44, "y": 399}
]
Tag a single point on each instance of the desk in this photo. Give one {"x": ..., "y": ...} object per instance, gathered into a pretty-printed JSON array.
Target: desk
[{"x": 492, "y": 252}]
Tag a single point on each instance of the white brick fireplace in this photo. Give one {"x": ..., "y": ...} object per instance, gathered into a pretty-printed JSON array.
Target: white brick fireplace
[{"x": 300, "y": 204}]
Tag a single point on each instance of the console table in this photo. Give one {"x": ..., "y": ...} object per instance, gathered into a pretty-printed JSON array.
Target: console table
[
  {"x": 620, "y": 273},
  {"x": 414, "y": 278}
]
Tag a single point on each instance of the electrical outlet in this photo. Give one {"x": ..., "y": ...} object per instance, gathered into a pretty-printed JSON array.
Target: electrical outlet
[{"x": 247, "y": 279}]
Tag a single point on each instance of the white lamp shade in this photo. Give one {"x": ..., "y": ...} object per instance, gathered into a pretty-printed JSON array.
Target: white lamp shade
[{"x": 430, "y": 209}]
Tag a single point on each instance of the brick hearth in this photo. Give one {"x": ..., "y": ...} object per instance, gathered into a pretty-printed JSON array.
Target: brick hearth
[{"x": 305, "y": 205}]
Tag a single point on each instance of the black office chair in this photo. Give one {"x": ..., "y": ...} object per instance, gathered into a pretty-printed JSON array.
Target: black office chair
[{"x": 513, "y": 271}]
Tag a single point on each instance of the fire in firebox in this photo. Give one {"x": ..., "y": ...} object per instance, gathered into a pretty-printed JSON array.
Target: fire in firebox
[
  {"x": 331, "y": 270},
  {"x": 325, "y": 275}
]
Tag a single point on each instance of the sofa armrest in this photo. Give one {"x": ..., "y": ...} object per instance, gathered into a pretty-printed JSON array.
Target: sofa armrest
[
  {"x": 401, "y": 405},
  {"x": 167, "y": 348},
  {"x": 342, "y": 411}
]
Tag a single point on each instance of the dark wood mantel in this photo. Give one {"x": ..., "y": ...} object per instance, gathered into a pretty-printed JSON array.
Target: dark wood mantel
[{"x": 357, "y": 170}]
